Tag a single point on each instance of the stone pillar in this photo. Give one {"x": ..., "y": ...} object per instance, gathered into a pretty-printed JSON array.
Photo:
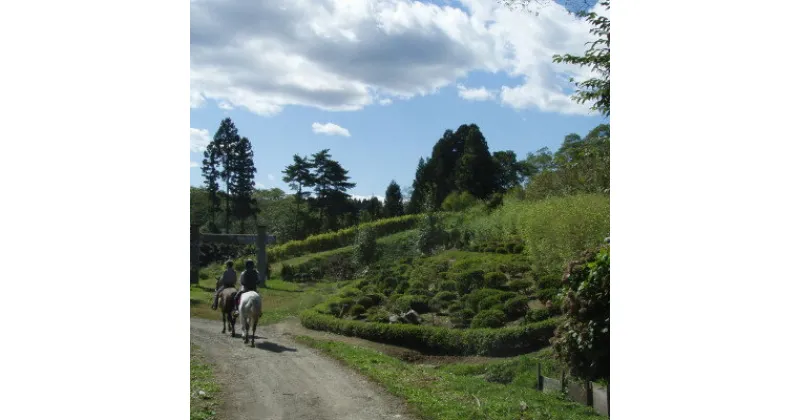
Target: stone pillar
[
  {"x": 194, "y": 254},
  {"x": 261, "y": 243}
]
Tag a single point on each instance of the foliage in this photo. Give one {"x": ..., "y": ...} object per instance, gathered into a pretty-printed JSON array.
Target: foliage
[
  {"x": 583, "y": 340},
  {"x": 494, "y": 280},
  {"x": 596, "y": 90},
  {"x": 365, "y": 248},
  {"x": 458, "y": 201},
  {"x": 437, "y": 340},
  {"x": 431, "y": 234},
  {"x": 516, "y": 307},
  {"x": 405, "y": 303},
  {"x": 489, "y": 318}
]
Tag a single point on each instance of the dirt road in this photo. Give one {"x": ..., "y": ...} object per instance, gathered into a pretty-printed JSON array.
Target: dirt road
[{"x": 280, "y": 379}]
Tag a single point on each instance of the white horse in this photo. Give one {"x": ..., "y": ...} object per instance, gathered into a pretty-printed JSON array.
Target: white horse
[{"x": 250, "y": 311}]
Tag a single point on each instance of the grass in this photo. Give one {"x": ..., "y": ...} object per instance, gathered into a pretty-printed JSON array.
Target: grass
[
  {"x": 444, "y": 395},
  {"x": 202, "y": 407},
  {"x": 280, "y": 299}
]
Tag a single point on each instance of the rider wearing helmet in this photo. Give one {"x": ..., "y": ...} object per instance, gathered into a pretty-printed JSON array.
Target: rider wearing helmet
[
  {"x": 248, "y": 280},
  {"x": 227, "y": 279}
]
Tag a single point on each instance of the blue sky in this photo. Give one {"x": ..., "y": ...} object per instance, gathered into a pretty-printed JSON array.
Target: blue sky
[{"x": 438, "y": 66}]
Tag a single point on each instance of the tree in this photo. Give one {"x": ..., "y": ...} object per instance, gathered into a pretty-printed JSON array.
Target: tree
[
  {"x": 393, "y": 202},
  {"x": 211, "y": 176},
  {"x": 596, "y": 90},
  {"x": 225, "y": 140},
  {"x": 421, "y": 187},
  {"x": 331, "y": 185},
  {"x": 243, "y": 181},
  {"x": 476, "y": 172},
  {"x": 298, "y": 175},
  {"x": 509, "y": 171}
]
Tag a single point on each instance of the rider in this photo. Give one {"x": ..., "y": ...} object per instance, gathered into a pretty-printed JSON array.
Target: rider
[
  {"x": 227, "y": 279},
  {"x": 248, "y": 280}
]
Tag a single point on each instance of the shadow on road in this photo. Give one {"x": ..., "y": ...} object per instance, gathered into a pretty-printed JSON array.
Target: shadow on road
[{"x": 273, "y": 347}]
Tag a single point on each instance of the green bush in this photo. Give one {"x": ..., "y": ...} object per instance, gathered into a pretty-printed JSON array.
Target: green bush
[
  {"x": 519, "y": 285},
  {"x": 378, "y": 315},
  {"x": 365, "y": 247},
  {"x": 445, "y": 296},
  {"x": 415, "y": 302},
  {"x": 339, "y": 239},
  {"x": 462, "y": 318},
  {"x": 459, "y": 201},
  {"x": 431, "y": 235},
  {"x": 494, "y": 280},
  {"x": 474, "y": 299},
  {"x": 336, "y": 266},
  {"x": 491, "y": 318},
  {"x": 537, "y": 315},
  {"x": 583, "y": 340},
  {"x": 501, "y": 342},
  {"x": 448, "y": 286},
  {"x": 491, "y": 302},
  {"x": 516, "y": 307},
  {"x": 357, "y": 310},
  {"x": 469, "y": 281}
]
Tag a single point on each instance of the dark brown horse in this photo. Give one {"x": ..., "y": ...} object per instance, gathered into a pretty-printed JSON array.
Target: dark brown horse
[{"x": 226, "y": 307}]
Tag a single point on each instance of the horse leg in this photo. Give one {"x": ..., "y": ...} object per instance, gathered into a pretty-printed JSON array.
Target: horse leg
[
  {"x": 232, "y": 320},
  {"x": 246, "y": 328},
  {"x": 253, "y": 341},
  {"x": 223, "y": 321}
]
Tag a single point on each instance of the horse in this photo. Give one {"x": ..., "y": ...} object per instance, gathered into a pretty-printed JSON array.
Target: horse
[
  {"x": 250, "y": 311},
  {"x": 226, "y": 307}
]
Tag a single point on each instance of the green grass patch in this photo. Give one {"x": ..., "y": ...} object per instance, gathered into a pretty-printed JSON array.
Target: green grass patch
[
  {"x": 204, "y": 389},
  {"x": 444, "y": 395},
  {"x": 280, "y": 299}
]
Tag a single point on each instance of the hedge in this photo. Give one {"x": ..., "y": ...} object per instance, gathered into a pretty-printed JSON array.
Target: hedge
[
  {"x": 495, "y": 342},
  {"x": 340, "y": 238}
]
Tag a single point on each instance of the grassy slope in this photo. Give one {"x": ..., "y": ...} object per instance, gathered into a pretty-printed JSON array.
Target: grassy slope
[
  {"x": 452, "y": 393},
  {"x": 202, "y": 407},
  {"x": 279, "y": 299}
]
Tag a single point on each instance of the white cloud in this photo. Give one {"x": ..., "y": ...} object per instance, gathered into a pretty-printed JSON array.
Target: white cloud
[
  {"x": 260, "y": 186},
  {"x": 198, "y": 139},
  {"x": 194, "y": 164},
  {"x": 475, "y": 94},
  {"x": 330, "y": 129},
  {"x": 343, "y": 55},
  {"x": 224, "y": 105},
  {"x": 385, "y": 101}
]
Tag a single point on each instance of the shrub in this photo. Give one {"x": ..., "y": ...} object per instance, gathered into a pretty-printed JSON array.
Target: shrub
[
  {"x": 519, "y": 285},
  {"x": 431, "y": 235},
  {"x": 445, "y": 296},
  {"x": 474, "y": 299},
  {"x": 436, "y": 340},
  {"x": 459, "y": 201},
  {"x": 491, "y": 318},
  {"x": 494, "y": 280},
  {"x": 357, "y": 310},
  {"x": 337, "y": 266},
  {"x": 455, "y": 307},
  {"x": 516, "y": 307},
  {"x": 365, "y": 247},
  {"x": 365, "y": 301},
  {"x": 462, "y": 318},
  {"x": 339, "y": 239},
  {"x": 417, "y": 303},
  {"x": 378, "y": 315},
  {"x": 469, "y": 281},
  {"x": 537, "y": 315},
  {"x": 491, "y": 302},
  {"x": 448, "y": 286},
  {"x": 583, "y": 340}
]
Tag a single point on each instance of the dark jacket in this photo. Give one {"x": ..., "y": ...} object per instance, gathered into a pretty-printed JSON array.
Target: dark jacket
[{"x": 249, "y": 280}]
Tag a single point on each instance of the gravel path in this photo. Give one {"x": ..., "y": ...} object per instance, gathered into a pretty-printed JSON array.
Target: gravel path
[{"x": 280, "y": 379}]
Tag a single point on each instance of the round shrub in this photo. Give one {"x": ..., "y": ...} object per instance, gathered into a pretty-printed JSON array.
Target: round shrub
[
  {"x": 417, "y": 303},
  {"x": 491, "y": 302},
  {"x": 445, "y": 296},
  {"x": 455, "y": 307},
  {"x": 378, "y": 315},
  {"x": 349, "y": 292},
  {"x": 494, "y": 280},
  {"x": 473, "y": 299},
  {"x": 448, "y": 285},
  {"x": 462, "y": 318},
  {"x": 365, "y": 301},
  {"x": 537, "y": 315},
  {"x": 519, "y": 249},
  {"x": 516, "y": 307},
  {"x": 491, "y": 318},
  {"x": 519, "y": 285},
  {"x": 469, "y": 281},
  {"x": 357, "y": 310}
]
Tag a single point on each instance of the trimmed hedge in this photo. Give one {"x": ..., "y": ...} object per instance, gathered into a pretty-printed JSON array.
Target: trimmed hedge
[
  {"x": 340, "y": 238},
  {"x": 498, "y": 342}
]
